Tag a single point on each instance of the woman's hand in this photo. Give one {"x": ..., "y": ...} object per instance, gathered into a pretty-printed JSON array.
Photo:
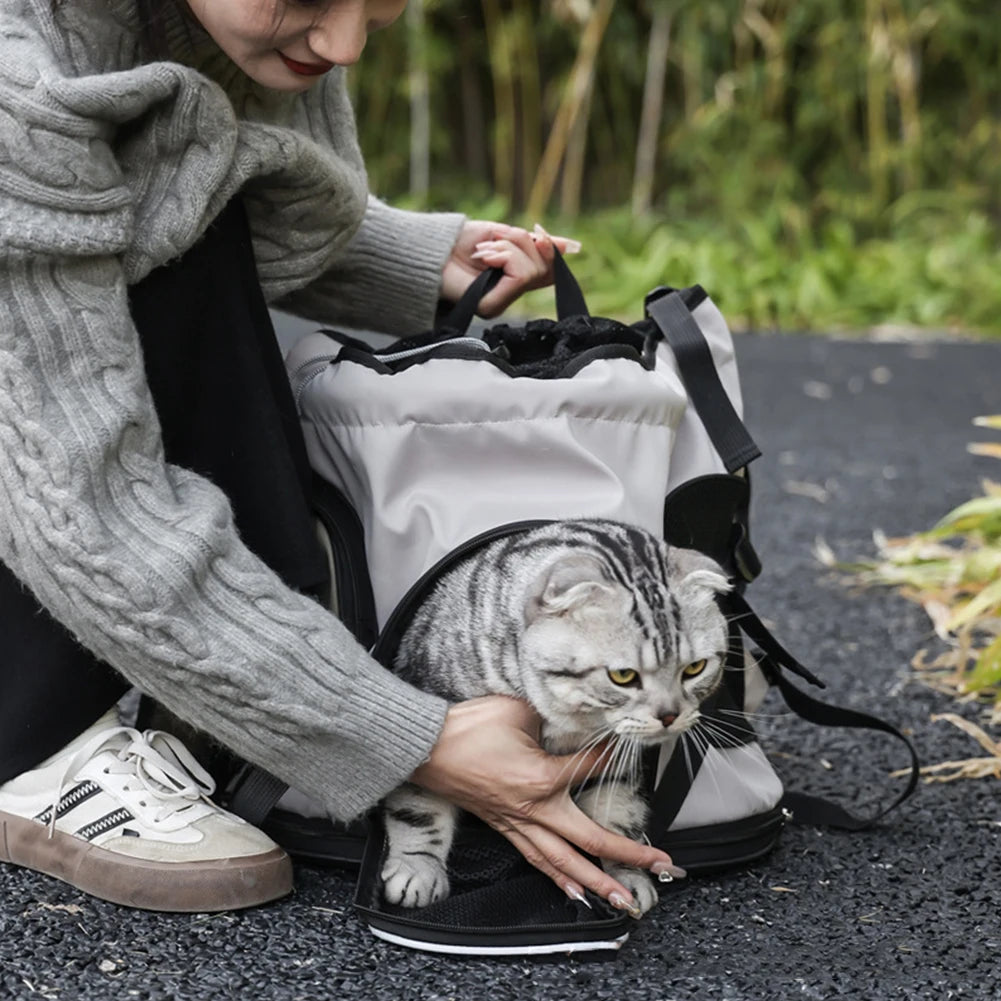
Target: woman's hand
[
  {"x": 488, "y": 761},
  {"x": 527, "y": 260}
]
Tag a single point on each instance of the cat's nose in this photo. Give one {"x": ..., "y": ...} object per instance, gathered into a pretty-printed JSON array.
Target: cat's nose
[{"x": 668, "y": 718}]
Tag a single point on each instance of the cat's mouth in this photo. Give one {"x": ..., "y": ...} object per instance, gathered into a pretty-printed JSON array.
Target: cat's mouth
[{"x": 654, "y": 732}]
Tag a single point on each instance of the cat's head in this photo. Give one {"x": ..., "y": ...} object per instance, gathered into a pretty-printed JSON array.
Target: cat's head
[{"x": 635, "y": 661}]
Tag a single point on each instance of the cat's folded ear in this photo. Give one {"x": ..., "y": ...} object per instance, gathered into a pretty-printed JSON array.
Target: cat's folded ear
[
  {"x": 567, "y": 584},
  {"x": 690, "y": 568}
]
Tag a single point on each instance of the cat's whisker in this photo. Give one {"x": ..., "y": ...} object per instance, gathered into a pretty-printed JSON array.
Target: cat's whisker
[
  {"x": 688, "y": 758},
  {"x": 604, "y": 734},
  {"x": 724, "y": 734},
  {"x": 713, "y": 763},
  {"x": 729, "y": 726},
  {"x": 718, "y": 762},
  {"x": 740, "y": 746},
  {"x": 703, "y": 744},
  {"x": 748, "y": 714},
  {"x": 708, "y": 762}
]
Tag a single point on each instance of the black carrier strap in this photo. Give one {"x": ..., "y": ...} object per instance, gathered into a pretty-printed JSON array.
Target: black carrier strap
[
  {"x": 569, "y": 297},
  {"x": 773, "y": 661},
  {"x": 726, "y": 430},
  {"x": 254, "y": 794}
]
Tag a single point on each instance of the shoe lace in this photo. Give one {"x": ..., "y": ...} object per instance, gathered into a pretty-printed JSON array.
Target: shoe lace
[{"x": 165, "y": 768}]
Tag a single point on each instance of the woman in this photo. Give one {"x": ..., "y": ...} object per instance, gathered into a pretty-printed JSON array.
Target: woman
[{"x": 166, "y": 170}]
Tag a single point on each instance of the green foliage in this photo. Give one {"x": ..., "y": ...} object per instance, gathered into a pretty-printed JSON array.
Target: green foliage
[
  {"x": 819, "y": 163},
  {"x": 954, "y": 571},
  {"x": 771, "y": 272}
]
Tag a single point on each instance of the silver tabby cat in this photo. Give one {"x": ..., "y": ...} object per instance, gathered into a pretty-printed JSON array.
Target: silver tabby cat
[{"x": 607, "y": 631}]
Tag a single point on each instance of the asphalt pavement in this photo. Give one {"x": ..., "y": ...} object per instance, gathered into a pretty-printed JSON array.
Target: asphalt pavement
[{"x": 856, "y": 436}]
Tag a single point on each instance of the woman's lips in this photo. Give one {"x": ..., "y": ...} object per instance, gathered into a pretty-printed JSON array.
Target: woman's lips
[{"x": 306, "y": 69}]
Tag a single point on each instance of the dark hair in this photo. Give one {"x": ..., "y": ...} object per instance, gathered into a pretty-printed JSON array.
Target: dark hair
[
  {"x": 154, "y": 38},
  {"x": 150, "y": 15}
]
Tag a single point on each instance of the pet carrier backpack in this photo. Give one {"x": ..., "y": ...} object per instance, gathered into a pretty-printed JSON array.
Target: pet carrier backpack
[{"x": 440, "y": 443}]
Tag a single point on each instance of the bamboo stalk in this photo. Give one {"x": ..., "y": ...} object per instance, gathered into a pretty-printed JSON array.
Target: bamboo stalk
[
  {"x": 903, "y": 65},
  {"x": 473, "y": 130},
  {"x": 504, "y": 98},
  {"x": 581, "y": 76},
  {"x": 573, "y": 162},
  {"x": 652, "y": 108},
  {"x": 420, "y": 103},
  {"x": 876, "y": 90},
  {"x": 530, "y": 95}
]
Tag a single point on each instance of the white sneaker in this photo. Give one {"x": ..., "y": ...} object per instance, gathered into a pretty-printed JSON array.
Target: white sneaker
[{"x": 125, "y": 816}]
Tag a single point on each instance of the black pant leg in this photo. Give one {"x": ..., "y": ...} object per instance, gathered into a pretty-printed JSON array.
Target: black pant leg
[{"x": 226, "y": 411}]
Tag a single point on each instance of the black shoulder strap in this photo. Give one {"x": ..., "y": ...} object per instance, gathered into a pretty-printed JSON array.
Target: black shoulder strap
[
  {"x": 726, "y": 430},
  {"x": 775, "y": 658}
]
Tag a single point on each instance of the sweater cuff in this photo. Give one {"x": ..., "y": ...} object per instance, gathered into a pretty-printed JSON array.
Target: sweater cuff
[
  {"x": 392, "y": 723},
  {"x": 400, "y": 257},
  {"x": 388, "y": 278}
]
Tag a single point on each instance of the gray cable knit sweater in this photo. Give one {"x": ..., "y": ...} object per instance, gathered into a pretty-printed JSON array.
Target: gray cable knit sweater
[{"x": 109, "y": 167}]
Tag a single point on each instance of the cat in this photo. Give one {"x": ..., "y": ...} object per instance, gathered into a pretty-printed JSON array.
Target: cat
[{"x": 604, "y": 629}]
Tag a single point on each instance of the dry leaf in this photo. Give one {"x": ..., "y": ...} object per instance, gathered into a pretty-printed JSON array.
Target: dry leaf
[
  {"x": 823, "y": 553},
  {"x": 939, "y": 613},
  {"x": 978, "y": 734},
  {"x": 988, "y": 448},
  {"x": 817, "y": 390},
  {"x": 802, "y": 489},
  {"x": 68, "y": 908}
]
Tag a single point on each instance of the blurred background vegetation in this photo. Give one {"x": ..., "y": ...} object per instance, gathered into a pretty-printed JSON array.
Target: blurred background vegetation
[{"x": 815, "y": 164}]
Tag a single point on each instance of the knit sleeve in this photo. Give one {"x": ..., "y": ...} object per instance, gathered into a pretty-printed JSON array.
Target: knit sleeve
[
  {"x": 388, "y": 277},
  {"x": 140, "y": 559}
]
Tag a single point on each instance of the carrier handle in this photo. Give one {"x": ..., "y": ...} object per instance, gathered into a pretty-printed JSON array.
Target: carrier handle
[{"x": 569, "y": 296}]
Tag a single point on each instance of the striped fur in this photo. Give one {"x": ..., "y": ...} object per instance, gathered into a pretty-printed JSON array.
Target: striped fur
[{"x": 555, "y": 616}]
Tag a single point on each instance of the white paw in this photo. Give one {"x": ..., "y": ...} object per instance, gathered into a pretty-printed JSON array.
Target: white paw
[
  {"x": 640, "y": 884},
  {"x": 414, "y": 880}
]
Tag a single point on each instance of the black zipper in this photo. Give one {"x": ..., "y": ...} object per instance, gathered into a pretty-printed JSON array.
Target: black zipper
[
  {"x": 719, "y": 846},
  {"x": 349, "y": 565},
  {"x": 384, "y": 649}
]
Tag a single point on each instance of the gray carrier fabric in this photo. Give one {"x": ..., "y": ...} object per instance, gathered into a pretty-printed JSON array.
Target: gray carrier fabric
[
  {"x": 437, "y": 443},
  {"x": 444, "y": 440},
  {"x": 435, "y": 453}
]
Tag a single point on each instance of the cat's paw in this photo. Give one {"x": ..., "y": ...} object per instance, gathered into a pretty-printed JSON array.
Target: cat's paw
[
  {"x": 414, "y": 881},
  {"x": 639, "y": 883}
]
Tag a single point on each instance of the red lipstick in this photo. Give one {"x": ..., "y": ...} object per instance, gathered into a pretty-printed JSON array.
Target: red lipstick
[{"x": 306, "y": 69}]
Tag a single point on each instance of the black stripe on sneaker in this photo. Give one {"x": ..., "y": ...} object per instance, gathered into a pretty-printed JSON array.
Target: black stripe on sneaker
[
  {"x": 107, "y": 823},
  {"x": 77, "y": 795}
]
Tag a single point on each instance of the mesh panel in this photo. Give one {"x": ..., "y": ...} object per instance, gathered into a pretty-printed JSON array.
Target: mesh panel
[{"x": 493, "y": 887}]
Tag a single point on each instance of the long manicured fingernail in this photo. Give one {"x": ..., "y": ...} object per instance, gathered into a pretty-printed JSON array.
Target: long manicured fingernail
[
  {"x": 479, "y": 255},
  {"x": 666, "y": 872},
  {"x": 569, "y": 246},
  {"x": 621, "y": 904},
  {"x": 574, "y": 893}
]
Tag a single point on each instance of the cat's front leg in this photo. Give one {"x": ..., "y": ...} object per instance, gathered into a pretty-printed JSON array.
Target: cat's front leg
[
  {"x": 619, "y": 807},
  {"x": 419, "y": 831}
]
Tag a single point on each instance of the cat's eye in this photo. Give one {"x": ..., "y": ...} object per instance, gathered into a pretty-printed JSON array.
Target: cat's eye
[
  {"x": 694, "y": 670},
  {"x": 622, "y": 676}
]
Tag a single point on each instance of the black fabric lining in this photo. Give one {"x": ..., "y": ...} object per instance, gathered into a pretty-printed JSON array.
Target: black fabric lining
[{"x": 543, "y": 349}]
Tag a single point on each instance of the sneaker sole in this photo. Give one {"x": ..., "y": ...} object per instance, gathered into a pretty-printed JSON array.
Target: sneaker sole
[{"x": 217, "y": 885}]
